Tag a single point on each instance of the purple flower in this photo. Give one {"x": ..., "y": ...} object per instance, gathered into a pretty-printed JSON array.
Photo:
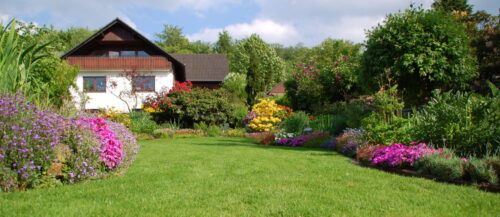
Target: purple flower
[
  {"x": 398, "y": 154},
  {"x": 1, "y": 156},
  {"x": 36, "y": 137}
]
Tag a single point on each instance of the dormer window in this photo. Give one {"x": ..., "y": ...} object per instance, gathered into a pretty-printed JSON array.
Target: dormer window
[
  {"x": 113, "y": 53},
  {"x": 127, "y": 53}
]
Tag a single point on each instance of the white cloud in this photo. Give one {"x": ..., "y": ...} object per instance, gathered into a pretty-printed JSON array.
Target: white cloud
[
  {"x": 95, "y": 13},
  {"x": 269, "y": 30},
  {"x": 338, "y": 19},
  {"x": 282, "y": 21}
]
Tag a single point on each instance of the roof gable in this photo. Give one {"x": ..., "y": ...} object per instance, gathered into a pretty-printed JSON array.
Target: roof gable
[{"x": 117, "y": 31}]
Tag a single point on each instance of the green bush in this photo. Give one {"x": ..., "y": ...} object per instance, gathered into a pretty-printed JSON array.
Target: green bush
[
  {"x": 315, "y": 139},
  {"x": 480, "y": 171},
  {"x": 444, "y": 165},
  {"x": 208, "y": 130},
  {"x": 141, "y": 122},
  {"x": 464, "y": 122},
  {"x": 239, "y": 112},
  {"x": 196, "y": 105},
  {"x": 163, "y": 133},
  {"x": 296, "y": 124},
  {"x": 213, "y": 131},
  {"x": 173, "y": 125},
  {"x": 329, "y": 75},
  {"x": 339, "y": 124},
  {"x": 381, "y": 131},
  {"x": 235, "y": 84},
  {"x": 187, "y": 133},
  {"x": 322, "y": 123},
  {"x": 202, "y": 126},
  {"x": 420, "y": 50}
]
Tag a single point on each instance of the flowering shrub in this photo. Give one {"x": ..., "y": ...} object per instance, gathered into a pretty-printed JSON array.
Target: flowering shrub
[
  {"x": 129, "y": 143},
  {"x": 258, "y": 136},
  {"x": 158, "y": 102},
  {"x": 41, "y": 148},
  {"x": 111, "y": 148},
  {"x": 350, "y": 140},
  {"x": 268, "y": 140},
  {"x": 283, "y": 135},
  {"x": 297, "y": 141},
  {"x": 364, "y": 155},
  {"x": 285, "y": 112},
  {"x": 316, "y": 138},
  {"x": 116, "y": 116},
  {"x": 397, "y": 155},
  {"x": 268, "y": 115},
  {"x": 188, "y": 106}
]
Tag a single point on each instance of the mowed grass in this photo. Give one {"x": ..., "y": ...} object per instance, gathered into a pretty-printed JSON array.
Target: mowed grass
[{"x": 233, "y": 177}]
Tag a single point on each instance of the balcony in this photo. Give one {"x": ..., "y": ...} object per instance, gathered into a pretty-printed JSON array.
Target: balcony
[{"x": 120, "y": 63}]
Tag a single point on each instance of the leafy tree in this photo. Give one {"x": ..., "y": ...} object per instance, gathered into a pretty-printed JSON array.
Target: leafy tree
[
  {"x": 71, "y": 37},
  {"x": 452, "y": 5},
  {"x": 235, "y": 83},
  {"x": 420, "y": 50},
  {"x": 484, "y": 33},
  {"x": 263, "y": 68},
  {"x": 328, "y": 75},
  {"x": 225, "y": 44},
  {"x": 330, "y": 50},
  {"x": 486, "y": 41},
  {"x": 199, "y": 47},
  {"x": 57, "y": 75},
  {"x": 172, "y": 40}
]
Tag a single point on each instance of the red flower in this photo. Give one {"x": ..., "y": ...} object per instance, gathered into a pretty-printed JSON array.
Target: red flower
[{"x": 311, "y": 117}]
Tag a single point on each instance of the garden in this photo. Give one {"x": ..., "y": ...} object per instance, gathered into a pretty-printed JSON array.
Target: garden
[{"x": 406, "y": 124}]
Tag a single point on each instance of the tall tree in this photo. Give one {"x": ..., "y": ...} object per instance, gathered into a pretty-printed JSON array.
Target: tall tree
[
  {"x": 484, "y": 37},
  {"x": 171, "y": 39},
  {"x": 224, "y": 44},
  {"x": 263, "y": 68},
  {"x": 452, "y": 5},
  {"x": 420, "y": 50}
]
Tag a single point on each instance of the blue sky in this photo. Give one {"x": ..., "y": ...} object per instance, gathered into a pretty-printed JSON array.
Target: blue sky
[{"x": 277, "y": 21}]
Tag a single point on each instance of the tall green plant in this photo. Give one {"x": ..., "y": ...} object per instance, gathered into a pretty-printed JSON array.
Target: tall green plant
[
  {"x": 259, "y": 62},
  {"x": 16, "y": 62},
  {"x": 465, "y": 122},
  {"x": 296, "y": 123}
]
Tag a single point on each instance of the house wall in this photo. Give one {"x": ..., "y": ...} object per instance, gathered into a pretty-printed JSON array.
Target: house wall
[{"x": 164, "y": 79}]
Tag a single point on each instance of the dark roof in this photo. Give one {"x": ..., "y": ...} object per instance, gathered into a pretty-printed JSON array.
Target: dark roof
[
  {"x": 278, "y": 89},
  {"x": 179, "y": 73},
  {"x": 204, "y": 67}
]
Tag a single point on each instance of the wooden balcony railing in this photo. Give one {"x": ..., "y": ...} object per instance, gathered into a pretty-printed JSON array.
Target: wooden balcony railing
[{"x": 121, "y": 63}]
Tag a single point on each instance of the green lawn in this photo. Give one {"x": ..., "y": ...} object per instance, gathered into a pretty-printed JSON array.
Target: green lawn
[{"x": 233, "y": 177}]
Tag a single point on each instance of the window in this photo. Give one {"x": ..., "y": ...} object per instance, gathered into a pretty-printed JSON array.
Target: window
[
  {"x": 94, "y": 84},
  {"x": 127, "y": 53},
  {"x": 142, "y": 54},
  {"x": 144, "y": 83},
  {"x": 114, "y": 53}
]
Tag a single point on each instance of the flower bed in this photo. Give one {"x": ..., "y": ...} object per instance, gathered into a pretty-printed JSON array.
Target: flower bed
[{"x": 41, "y": 148}]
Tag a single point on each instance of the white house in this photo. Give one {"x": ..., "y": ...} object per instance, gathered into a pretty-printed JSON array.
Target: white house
[{"x": 119, "y": 68}]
